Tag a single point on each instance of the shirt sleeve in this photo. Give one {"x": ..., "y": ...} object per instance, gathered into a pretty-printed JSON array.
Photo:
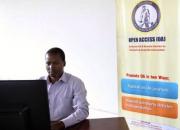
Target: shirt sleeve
[{"x": 80, "y": 105}]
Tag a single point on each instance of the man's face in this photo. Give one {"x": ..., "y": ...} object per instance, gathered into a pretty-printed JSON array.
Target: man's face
[{"x": 54, "y": 65}]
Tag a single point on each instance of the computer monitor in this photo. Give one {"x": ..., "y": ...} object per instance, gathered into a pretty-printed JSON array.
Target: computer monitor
[{"x": 24, "y": 105}]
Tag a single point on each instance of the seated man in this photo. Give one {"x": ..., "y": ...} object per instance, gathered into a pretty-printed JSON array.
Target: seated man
[{"x": 66, "y": 93}]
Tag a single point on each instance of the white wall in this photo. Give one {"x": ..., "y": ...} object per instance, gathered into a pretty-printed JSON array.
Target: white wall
[{"x": 84, "y": 29}]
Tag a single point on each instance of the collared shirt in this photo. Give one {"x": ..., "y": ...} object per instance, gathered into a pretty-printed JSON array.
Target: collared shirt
[{"x": 67, "y": 99}]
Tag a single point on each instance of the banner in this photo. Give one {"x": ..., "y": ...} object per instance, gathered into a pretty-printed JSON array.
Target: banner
[{"x": 148, "y": 38}]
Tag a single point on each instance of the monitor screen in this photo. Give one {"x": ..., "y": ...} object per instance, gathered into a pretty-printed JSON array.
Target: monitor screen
[{"x": 24, "y": 105}]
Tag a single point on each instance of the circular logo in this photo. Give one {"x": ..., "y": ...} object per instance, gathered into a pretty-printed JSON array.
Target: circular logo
[{"x": 146, "y": 16}]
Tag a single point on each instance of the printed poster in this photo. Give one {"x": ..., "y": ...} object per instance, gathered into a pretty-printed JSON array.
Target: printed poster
[{"x": 148, "y": 42}]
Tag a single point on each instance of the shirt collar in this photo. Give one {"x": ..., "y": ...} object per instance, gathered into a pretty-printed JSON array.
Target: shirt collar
[{"x": 63, "y": 78}]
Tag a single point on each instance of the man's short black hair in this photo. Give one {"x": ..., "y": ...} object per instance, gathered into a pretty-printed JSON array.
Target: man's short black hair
[{"x": 57, "y": 51}]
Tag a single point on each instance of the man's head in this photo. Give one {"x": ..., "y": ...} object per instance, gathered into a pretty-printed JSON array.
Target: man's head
[{"x": 55, "y": 62}]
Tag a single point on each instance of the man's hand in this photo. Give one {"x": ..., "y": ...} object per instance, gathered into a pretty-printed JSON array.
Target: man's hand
[{"x": 57, "y": 125}]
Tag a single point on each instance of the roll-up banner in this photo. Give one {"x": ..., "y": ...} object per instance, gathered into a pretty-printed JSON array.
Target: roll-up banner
[{"x": 148, "y": 45}]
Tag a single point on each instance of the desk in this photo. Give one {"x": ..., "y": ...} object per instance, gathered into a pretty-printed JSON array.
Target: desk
[{"x": 117, "y": 123}]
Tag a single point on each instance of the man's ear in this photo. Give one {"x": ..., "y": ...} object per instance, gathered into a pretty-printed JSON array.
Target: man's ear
[{"x": 64, "y": 63}]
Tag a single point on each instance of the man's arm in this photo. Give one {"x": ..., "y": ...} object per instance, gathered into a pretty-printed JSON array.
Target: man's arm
[{"x": 80, "y": 105}]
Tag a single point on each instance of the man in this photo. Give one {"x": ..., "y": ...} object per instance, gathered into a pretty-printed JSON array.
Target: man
[
  {"x": 66, "y": 93},
  {"x": 145, "y": 17}
]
